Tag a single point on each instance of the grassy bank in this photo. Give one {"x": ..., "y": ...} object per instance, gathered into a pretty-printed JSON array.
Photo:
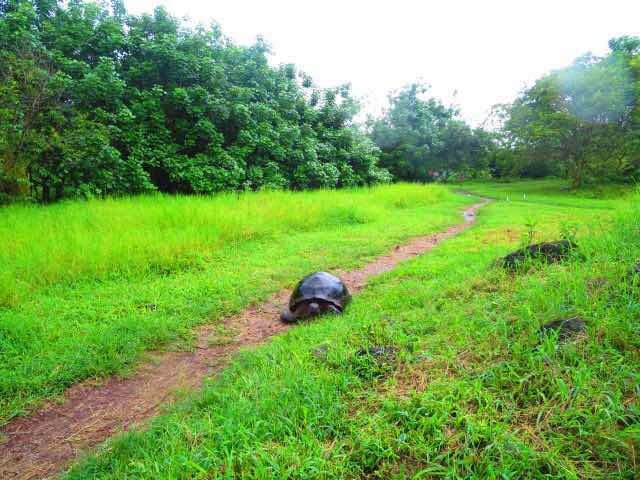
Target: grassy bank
[
  {"x": 470, "y": 391},
  {"x": 103, "y": 239},
  {"x": 89, "y": 286}
]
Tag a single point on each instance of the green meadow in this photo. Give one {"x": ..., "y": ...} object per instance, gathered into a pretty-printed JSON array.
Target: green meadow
[
  {"x": 87, "y": 287},
  {"x": 467, "y": 385}
]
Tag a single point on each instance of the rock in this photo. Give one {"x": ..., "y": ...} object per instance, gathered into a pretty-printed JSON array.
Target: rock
[
  {"x": 550, "y": 252},
  {"x": 566, "y": 328}
]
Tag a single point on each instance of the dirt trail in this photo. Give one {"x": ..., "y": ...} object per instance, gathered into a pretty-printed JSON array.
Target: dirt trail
[{"x": 44, "y": 443}]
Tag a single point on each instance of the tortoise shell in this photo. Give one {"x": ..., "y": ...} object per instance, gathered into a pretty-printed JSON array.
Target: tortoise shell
[{"x": 320, "y": 286}]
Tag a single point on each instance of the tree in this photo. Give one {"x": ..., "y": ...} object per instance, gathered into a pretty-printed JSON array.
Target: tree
[
  {"x": 579, "y": 121},
  {"x": 422, "y": 140},
  {"x": 30, "y": 90}
]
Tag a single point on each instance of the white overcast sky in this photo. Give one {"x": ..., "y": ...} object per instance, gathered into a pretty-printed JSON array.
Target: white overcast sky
[{"x": 486, "y": 50}]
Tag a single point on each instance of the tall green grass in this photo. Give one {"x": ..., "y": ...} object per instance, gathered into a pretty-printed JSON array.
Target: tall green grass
[
  {"x": 473, "y": 391},
  {"x": 78, "y": 278},
  {"x": 41, "y": 246}
]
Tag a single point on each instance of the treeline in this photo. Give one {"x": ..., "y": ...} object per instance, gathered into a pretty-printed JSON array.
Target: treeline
[
  {"x": 581, "y": 122},
  {"x": 95, "y": 101}
]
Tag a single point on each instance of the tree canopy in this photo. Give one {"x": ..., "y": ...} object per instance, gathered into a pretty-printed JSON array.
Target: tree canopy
[
  {"x": 94, "y": 101},
  {"x": 421, "y": 139},
  {"x": 582, "y": 122}
]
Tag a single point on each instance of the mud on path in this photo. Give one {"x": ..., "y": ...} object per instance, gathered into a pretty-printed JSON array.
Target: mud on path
[{"x": 44, "y": 443}]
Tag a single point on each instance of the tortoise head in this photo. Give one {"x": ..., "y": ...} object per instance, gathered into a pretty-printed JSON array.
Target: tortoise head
[{"x": 313, "y": 308}]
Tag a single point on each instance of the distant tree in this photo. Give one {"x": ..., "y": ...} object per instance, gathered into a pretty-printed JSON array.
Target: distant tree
[
  {"x": 422, "y": 140},
  {"x": 579, "y": 121},
  {"x": 626, "y": 45}
]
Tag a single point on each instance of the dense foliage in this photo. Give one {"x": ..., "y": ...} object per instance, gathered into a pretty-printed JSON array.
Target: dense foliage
[
  {"x": 422, "y": 139},
  {"x": 580, "y": 122},
  {"x": 94, "y": 101}
]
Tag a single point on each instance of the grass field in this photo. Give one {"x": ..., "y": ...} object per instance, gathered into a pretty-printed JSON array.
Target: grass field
[
  {"x": 87, "y": 287},
  {"x": 472, "y": 390}
]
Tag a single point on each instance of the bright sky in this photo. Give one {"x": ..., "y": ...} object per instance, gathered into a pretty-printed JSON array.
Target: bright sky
[{"x": 486, "y": 51}]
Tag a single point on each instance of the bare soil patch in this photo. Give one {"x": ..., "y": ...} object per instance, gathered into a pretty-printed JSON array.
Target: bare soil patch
[{"x": 44, "y": 443}]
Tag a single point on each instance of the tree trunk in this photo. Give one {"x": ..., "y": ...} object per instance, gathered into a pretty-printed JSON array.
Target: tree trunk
[{"x": 46, "y": 196}]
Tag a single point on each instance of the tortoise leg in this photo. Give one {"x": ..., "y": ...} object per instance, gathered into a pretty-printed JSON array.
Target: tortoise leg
[{"x": 333, "y": 309}]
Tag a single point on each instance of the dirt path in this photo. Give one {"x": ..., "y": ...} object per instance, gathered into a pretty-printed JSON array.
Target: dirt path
[{"x": 44, "y": 443}]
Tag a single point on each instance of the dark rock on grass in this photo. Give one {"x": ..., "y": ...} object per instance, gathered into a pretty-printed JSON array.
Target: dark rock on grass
[
  {"x": 387, "y": 353},
  {"x": 549, "y": 252},
  {"x": 566, "y": 328}
]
